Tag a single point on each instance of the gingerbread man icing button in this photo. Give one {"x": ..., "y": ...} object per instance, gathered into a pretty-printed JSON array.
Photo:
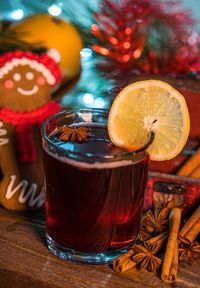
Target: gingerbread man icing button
[{"x": 26, "y": 84}]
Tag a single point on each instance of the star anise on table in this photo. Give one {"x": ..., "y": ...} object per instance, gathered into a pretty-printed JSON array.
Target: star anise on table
[
  {"x": 145, "y": 256},
  {"x": 153, "y": 222},
  {"x": 73, "y": 134},
  {"x": 145, "y": 232},
  {"x": 188, "y": 250}
]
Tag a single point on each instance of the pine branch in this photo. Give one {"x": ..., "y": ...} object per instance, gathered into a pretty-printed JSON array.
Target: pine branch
[{"x": 10, "y": 40}]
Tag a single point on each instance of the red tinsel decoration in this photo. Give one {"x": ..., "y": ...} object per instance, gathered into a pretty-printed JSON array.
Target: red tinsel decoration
[{"x": 147, "y": 36}]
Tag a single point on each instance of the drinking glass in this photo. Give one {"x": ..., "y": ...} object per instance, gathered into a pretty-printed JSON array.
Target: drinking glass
[{"x": 94, "y": 190}]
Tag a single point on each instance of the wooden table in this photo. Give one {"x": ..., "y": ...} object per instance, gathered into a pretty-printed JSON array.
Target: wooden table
[{"x": 26, "y": 262}]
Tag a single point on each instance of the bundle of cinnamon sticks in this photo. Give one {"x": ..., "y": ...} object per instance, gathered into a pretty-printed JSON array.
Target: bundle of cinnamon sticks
[
  {"x": 166, "y": 249},
  {"x": 191, "y": 168}
]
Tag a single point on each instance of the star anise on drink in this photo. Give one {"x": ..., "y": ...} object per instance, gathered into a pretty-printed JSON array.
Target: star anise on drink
[
  {"x": 145, "y": 256},
  {"x": 153, "y": 222},
  {"x": 188, "y": 250},
  {"x": 73, "y": 134}
]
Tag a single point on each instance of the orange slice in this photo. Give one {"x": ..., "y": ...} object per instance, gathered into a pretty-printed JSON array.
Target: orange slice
[{"x": 146, "y": 106}]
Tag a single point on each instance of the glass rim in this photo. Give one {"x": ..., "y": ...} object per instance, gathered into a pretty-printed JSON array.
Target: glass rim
[{"x": 96, "y": 156}]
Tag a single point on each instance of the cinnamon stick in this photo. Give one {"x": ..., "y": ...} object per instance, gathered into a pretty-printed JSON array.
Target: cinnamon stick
[
  {"x": 191, "y": 164},
  {"x": 124, "y": 262},
  {"x": 196, "y": 172},
  {"x": 174, "y": 266},
  {"x": 190, "y": 222},
  {"x": 159, "y": 238},
  {"x": 170, "y": 257},
  {"x": 193, "y": 232}
]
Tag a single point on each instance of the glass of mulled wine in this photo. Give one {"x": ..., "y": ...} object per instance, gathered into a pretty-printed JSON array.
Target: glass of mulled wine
[{"x": 94, "y": 190}]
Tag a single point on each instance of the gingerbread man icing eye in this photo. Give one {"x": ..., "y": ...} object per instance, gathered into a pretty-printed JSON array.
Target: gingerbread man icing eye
[
  {"x": 17, "y": 77},
  {"x": 29, "y": 76}
]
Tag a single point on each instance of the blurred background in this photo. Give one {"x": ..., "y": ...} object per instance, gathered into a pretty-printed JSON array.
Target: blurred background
[
  {"x": 193, "y": 5},
  {"x": 96, "y": 84},
  {"x": 17, "y": 9}
]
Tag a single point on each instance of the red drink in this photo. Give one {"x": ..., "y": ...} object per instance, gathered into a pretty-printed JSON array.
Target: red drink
[{"x": 94, "y": 196}]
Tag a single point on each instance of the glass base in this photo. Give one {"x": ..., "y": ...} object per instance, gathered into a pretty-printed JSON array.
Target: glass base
[{"x": 81, "y": 257}]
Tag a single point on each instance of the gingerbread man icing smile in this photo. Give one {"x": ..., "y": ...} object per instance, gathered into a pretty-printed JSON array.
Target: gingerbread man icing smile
[{"x": 26, "y": 83}]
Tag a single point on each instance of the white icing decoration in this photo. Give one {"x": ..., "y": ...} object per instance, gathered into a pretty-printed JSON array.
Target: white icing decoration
[
  {"x": 15, "y": 62},
  {"x": 9, "y": 65},
  {"x": 28, "y": 92},
  {"x": 16, "y": 76},
  {"x": 3, "y": 132},
  {"x": 29, "y": 76},
  {"x": 27, "y": 194},
  {"x": 32, "y": 63},
  {"x": 54, "y": 54}
]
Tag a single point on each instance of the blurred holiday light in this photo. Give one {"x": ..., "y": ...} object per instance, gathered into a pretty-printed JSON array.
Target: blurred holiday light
[
  {"x": 88, "y": 98},
  {"x": 17, "y": 14},
  {"x": 55, "y": 10},
  {"x": 99, "y": 102}
]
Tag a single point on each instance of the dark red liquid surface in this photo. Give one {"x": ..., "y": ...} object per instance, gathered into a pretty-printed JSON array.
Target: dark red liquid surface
[{"x": 92, "y": 210}]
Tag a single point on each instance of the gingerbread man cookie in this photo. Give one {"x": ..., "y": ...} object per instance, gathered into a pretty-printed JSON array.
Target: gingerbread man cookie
[{"x": 26, "y": 83}]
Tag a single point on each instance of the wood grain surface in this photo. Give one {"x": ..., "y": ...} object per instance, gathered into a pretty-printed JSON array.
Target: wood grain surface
[{"x": 25, "y": 261}]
